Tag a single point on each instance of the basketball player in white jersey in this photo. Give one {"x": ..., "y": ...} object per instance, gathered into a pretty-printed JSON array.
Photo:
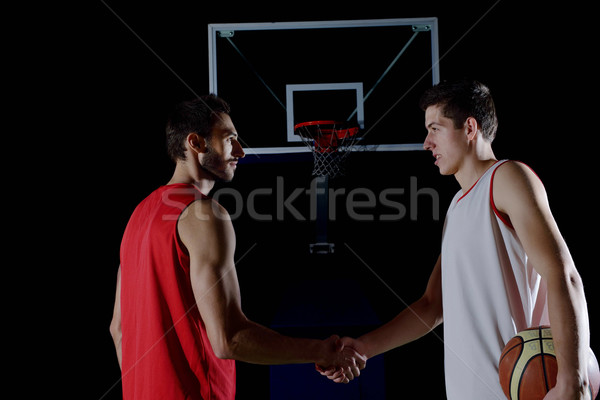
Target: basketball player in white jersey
[{"x": 503, "y": 267}]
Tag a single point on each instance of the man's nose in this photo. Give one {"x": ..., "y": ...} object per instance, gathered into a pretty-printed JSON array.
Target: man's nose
[
  {"x": 427, "y": 144},
  {"x": 238, "y": 151}
]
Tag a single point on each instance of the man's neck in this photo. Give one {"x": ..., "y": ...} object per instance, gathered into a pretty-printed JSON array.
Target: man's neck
[
  {"x": 184, "y": 173},
  {"x": 471, "y": 171}
]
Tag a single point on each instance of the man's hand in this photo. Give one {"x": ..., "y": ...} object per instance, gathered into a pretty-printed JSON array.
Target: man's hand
[{"x": 345, "y": 363}]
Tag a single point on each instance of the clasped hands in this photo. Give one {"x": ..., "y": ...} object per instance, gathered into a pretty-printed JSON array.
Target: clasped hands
[{"x": 342, "y": 362}]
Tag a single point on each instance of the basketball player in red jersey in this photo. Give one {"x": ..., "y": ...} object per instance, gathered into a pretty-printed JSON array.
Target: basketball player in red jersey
[
  {"x": 504, "y": 265},
  {"x": 178, "y": 324}
]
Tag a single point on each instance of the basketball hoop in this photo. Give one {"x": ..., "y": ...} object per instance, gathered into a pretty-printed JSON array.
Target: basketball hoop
[{"x": 330, "y": 142}]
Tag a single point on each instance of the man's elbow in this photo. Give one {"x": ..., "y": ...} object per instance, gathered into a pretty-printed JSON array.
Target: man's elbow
[
  {"x": 574, "y": 279},
  {"x": 565, "y": 279},
  {"x": 115, "y": 330},
  {"x": 224, "y": 349},
  {"x": 230, "y": 345},
  {"x": 433, "y": 310},
  {"x": 230, "y": 341}
]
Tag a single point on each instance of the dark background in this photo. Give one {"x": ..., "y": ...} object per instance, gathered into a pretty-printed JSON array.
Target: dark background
[{"x": 95, "y": 102}]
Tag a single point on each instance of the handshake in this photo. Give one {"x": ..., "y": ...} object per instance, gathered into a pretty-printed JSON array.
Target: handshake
[{"x": 343, "y": 359}]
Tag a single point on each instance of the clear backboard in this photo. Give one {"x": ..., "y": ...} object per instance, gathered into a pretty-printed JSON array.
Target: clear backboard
[{"x": 371, "y": 72}]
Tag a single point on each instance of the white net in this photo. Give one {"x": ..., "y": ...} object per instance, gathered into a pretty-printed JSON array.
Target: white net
[
  {"x": 331, "y": 144},
  {"x": 330, "y": 164}
]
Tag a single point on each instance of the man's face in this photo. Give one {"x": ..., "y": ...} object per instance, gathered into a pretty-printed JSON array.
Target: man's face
[
  {"x": 446, "y": 143},
  {"x": 223, "y": 149}
]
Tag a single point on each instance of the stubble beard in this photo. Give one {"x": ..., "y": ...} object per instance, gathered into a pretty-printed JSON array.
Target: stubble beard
[{"x": 215, "y": 165}]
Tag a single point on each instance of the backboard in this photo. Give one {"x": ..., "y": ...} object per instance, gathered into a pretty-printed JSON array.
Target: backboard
[{"x": 279, "y": 74}]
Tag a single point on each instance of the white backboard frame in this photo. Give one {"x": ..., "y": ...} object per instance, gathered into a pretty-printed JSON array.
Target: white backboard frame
[{"x": 225, "y": 29}]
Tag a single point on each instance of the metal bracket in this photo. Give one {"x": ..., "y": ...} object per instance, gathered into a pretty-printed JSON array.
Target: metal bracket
[
  {"x": 421, "y": 28},
  {"x": 322, "y": 248},
  {"x": 225, "y": 34}
]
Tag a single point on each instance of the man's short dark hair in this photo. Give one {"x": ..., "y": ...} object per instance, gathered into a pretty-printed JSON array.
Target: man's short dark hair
[
  {"x": 197, "y": 116},
  {"x": 463, "y": 99}
]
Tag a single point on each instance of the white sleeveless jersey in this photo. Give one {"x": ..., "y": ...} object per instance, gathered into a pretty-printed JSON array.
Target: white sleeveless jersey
[{"x": 489, "y": 292}]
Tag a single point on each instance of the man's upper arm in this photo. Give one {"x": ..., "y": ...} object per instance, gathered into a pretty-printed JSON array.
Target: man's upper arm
[
  {"x": 520, "y": 196},
  {"x": 206, "y": 231}
]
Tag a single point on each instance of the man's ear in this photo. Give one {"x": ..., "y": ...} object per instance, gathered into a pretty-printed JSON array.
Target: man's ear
[
  {"x": 471, "y": 128},
  {"x": 196, "y": 143}
]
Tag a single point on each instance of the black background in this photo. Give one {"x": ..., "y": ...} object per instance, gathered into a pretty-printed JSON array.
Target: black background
[{"x": 90, "y": 108}]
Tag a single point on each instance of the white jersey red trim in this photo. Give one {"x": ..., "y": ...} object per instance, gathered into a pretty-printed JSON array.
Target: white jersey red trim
[{"x": 489, "y": 291}]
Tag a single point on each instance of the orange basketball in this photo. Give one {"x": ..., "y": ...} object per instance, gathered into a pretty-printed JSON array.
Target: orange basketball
[{"x": 528, "y": 368}]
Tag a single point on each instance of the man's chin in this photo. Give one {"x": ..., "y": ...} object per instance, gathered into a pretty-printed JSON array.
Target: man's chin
[
  {"x": 219, "y": 176},
  {"x": 225, "y": 176}
]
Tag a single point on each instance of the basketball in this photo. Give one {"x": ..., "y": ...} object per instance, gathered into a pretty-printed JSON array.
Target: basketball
[{"x": 528, "y": 368}]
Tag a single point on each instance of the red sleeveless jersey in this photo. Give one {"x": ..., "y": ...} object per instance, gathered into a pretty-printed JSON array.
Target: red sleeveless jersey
[{"x": 165, "y": 349}]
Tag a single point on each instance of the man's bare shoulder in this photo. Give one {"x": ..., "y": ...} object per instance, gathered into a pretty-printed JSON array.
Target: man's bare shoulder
[
  {"x": 515, "y": 170},
  {"x": 516, "y": 182},
  {"x": 204, "y": 218},
  {"x": 202, "y": 210}
]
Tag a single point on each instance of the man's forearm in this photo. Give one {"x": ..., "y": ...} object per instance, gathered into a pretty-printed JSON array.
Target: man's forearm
[
  {"x": 257, "y": 344},
  {"x": 570, "y": 331},
  {"x": 418, "y": 319}
]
